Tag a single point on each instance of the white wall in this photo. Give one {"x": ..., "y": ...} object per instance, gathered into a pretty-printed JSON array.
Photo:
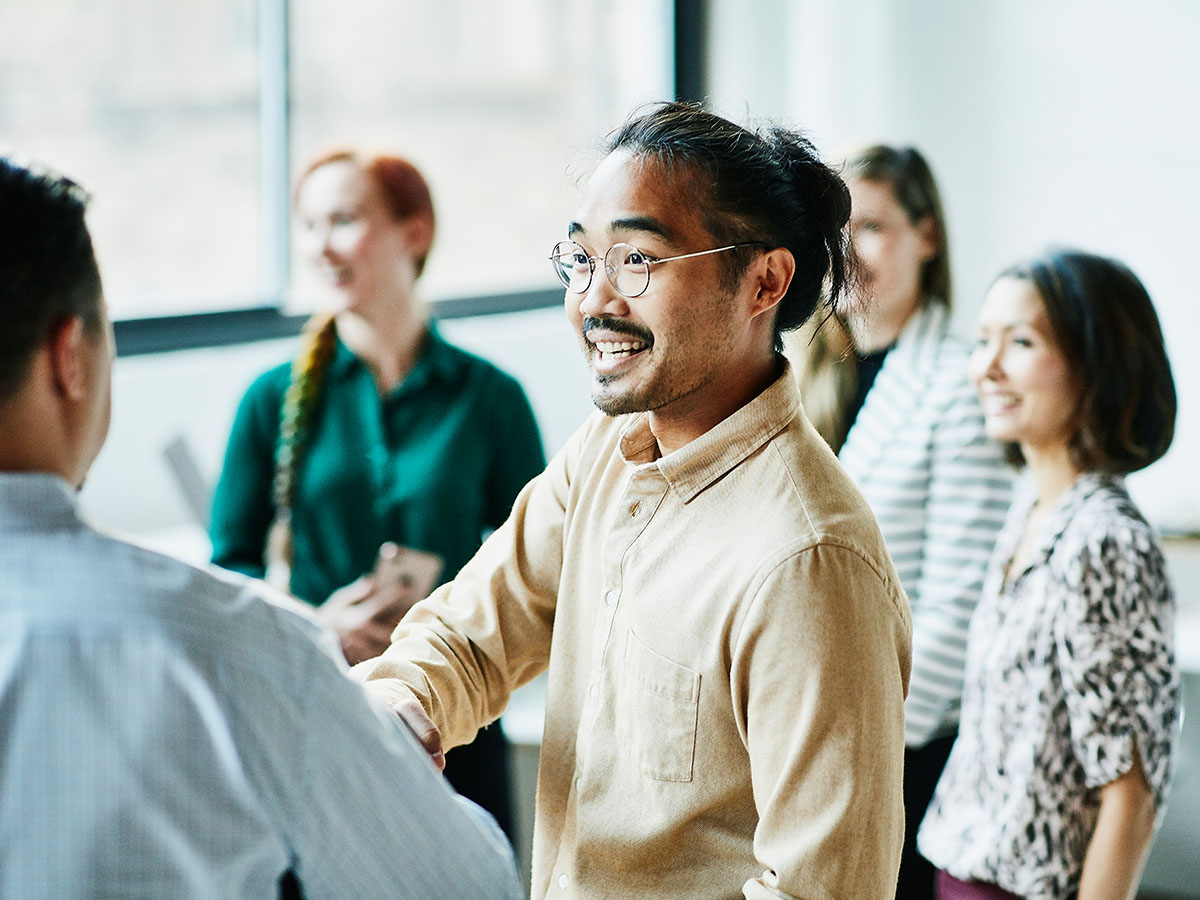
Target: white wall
[
  {"x": 1064, "y": 121},
  {"x": 1046, "y": 121}
]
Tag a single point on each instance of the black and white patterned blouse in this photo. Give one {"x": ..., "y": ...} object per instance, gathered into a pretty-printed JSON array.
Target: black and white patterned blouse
[{"x": 1069, "y": 665}]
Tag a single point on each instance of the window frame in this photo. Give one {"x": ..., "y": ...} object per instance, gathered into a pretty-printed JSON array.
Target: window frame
[{"x": 164, "y": 334}]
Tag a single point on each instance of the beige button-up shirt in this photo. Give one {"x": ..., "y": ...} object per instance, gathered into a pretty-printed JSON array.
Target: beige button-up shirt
[{"x": 728, "y": 650}]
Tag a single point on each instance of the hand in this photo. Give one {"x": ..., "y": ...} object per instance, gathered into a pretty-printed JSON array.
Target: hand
[
  {"x": 413, "y": 715},
  {"x": 364, "y": 613}
]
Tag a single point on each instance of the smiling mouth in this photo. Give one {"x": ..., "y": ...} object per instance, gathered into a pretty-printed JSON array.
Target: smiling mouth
[
  {"x": 619, "y": 349},
  {"x": 998, "y": 404}
]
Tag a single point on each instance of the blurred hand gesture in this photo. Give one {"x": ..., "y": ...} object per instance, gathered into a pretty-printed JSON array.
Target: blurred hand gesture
[{"x": 365, "y": 612}]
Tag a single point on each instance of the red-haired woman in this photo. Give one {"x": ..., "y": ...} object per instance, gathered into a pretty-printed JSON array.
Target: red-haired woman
[{"x": 371, "y": 465}]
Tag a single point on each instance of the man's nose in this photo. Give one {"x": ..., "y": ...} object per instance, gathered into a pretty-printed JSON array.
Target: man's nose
[{"x": 601, "y": 299}]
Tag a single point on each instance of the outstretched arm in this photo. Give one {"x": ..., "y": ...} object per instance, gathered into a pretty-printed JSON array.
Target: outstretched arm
[
  {"x": 463, "y": 650},
  {"x": 373, "y": 817}
]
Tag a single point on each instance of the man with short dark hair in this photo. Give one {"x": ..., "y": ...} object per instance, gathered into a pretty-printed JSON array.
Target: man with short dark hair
[
  {"x": 726, "y": 639},
  {"x": 165, "y": 732}
]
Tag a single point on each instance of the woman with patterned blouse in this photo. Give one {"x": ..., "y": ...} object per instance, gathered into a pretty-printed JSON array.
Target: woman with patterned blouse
[{"x": 1071, "y": 705}]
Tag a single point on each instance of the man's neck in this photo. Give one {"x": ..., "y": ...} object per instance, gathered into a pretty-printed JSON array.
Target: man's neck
[
  {"x": 32, "y": 440},
  {"x": 389, "y": 350},
  {"x": 682, "y": 422}
]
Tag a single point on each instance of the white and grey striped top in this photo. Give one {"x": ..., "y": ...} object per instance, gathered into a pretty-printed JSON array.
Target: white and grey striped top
[
  {"x": 940, "y": 490},
  {"x": 165, "y": 732}
]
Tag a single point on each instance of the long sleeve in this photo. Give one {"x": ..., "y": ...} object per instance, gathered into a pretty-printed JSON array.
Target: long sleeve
[
  {"x": 464, "y": 649},
  {"x": 517, "y": 455},
  {"x": 179, "y": 732},
  {"x": 242, "y": 507},
  {"x": 373, "y": 814},
  {"x": 727, "y": 646},
  {"x": 825, "y": 738}
]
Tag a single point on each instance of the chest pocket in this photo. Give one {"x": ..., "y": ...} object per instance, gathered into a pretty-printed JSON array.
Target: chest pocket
[{"x": 657, "y": 712}]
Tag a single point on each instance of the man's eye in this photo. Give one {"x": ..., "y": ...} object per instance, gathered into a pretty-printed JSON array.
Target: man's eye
[
  {"x": 579, "y": 260},
  {"x": 635, "y": 258}
]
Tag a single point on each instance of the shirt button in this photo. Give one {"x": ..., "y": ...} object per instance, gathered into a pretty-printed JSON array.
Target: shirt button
[
  {"x": 592, "y": 690},
  {"x": 610, "y": 598},
  {"x": 562, "y": 881},
  {"x": 633, "y": 509}
]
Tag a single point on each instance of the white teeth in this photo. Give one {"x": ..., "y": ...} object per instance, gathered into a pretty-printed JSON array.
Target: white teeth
[
  {"x": 998, "y": 402},
  {"x": 610, "y": 347}
]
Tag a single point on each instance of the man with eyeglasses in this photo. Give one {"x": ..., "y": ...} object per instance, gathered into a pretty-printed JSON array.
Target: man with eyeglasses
[{"x": 727, "y": 641}]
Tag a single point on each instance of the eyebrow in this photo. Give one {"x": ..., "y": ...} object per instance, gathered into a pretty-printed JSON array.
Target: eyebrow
[{"x": 644, "y": 224}]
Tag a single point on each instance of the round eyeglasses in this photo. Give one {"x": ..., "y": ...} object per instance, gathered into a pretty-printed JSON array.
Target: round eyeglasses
[{"x": 627, "y": 267}]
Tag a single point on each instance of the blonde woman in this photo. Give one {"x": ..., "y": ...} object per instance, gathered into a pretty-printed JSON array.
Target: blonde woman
[{"x": 885, "y": 382}]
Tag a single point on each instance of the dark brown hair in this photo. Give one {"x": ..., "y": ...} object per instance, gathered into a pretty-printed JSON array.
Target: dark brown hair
[{"x": 1105, "y": 324}]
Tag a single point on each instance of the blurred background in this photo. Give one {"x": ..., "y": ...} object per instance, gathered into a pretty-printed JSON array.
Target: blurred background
[{"x": 1046, "y": 121}]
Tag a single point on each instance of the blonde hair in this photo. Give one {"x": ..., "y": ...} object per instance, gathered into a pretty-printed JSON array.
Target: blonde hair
[
  {"x": 317, "y": 344},
  {"x": 823, "y": 362}
]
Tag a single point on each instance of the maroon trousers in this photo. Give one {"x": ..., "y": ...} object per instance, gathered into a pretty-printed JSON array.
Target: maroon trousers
[{"x": 947, "y": 887}]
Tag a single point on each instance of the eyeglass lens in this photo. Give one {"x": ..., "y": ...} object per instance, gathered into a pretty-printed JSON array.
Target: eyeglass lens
[{"x": 625, "y": 266}]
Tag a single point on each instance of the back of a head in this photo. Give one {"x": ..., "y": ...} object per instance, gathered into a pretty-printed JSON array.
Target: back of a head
[
  {"x": 768, "y": 186},
  {"x": 1105, "y": 323},
  {"x": 906, "y": 171},
  {"x": 48, "y": 270}
]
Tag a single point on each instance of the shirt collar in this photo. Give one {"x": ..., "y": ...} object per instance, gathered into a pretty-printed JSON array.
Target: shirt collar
[
  {"x": 36, "y": 499},
  {"x": 693, "y": 467},
  {"x": 438, "y": 361},
  {"x": 918, "y": 339},
  {"x": 1081, "y": 490}
]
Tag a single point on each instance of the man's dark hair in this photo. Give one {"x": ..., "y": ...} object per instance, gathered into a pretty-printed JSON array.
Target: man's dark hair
[
  {"x": 767, "y": 186},
  {"x": 1105, "y": 324},
  {"x": 48, "y": 270}
]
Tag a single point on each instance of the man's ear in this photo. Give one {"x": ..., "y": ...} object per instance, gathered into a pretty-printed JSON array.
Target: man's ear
[
  {"x": 68, "y": 357},
  {"x": 774, "y": 271}
]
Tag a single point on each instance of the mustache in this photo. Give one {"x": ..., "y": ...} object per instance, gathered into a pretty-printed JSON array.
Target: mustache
[{"x": 617, "y": 326}]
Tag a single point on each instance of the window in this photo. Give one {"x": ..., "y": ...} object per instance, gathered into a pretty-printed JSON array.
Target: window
[
  {"x": 154, "y": 108},
  {"x": 189, "y": 121}
]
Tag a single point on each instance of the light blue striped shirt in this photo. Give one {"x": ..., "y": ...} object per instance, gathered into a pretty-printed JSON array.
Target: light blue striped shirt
[{"x": 168, "y": 732}]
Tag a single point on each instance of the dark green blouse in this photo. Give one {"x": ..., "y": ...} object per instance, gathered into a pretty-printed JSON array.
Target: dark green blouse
[{"x": 434, "y": 466}]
